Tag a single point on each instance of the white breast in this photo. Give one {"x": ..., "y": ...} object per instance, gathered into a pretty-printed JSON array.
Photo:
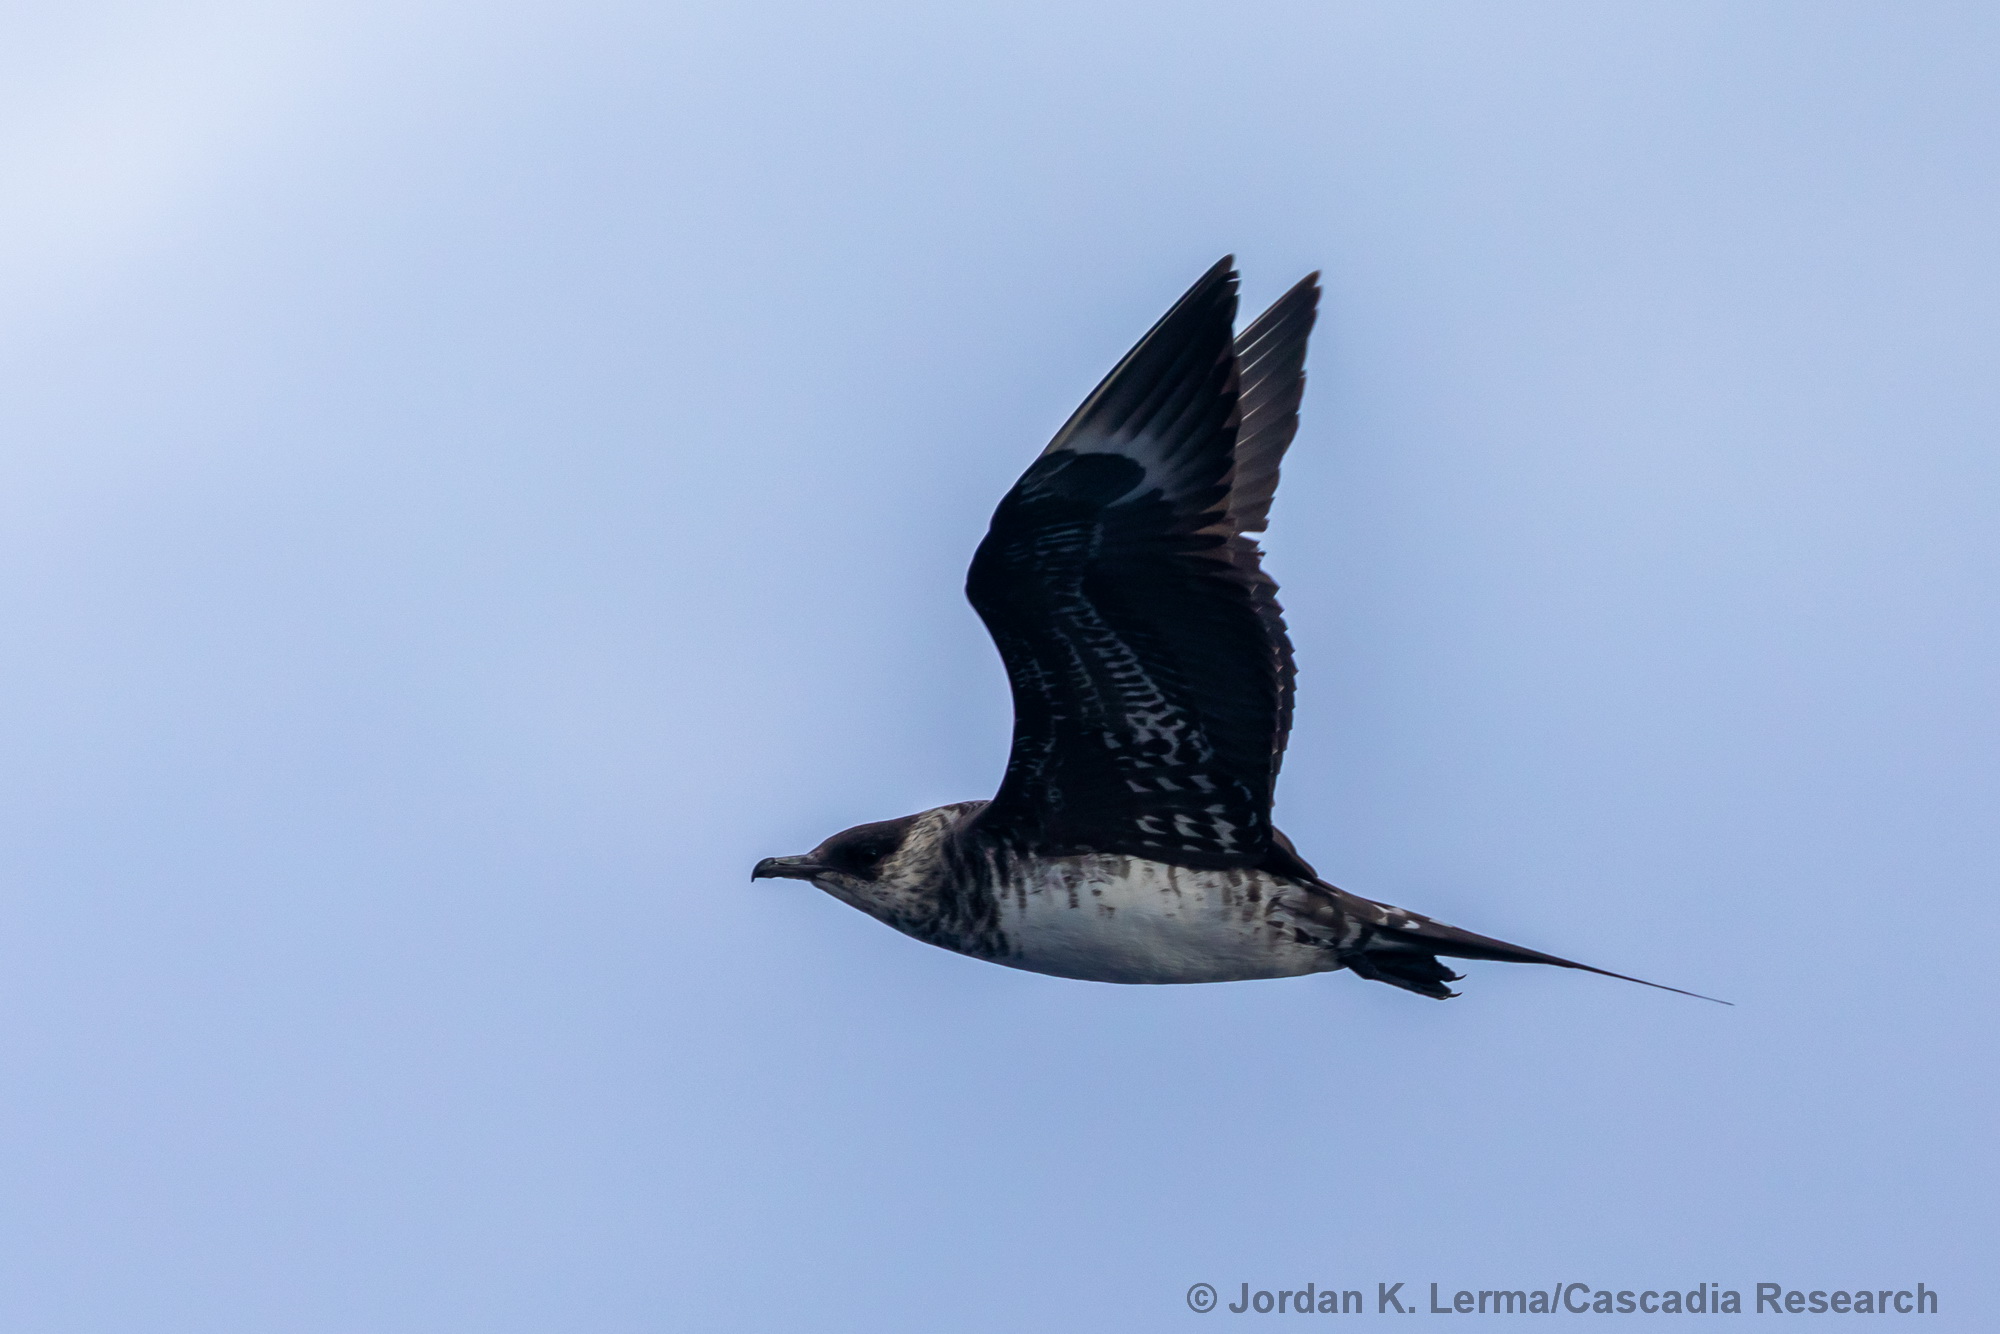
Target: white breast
[{"x": 1124, "y": 919}]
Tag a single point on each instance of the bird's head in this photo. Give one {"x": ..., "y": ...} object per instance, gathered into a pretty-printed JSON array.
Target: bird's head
[
  {"x": 892, "y": 869},
  {"x": 859, "y": 854}
]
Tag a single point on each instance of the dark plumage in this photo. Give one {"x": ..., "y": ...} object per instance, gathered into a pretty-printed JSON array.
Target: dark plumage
[{"x": 1131, "y": 838}]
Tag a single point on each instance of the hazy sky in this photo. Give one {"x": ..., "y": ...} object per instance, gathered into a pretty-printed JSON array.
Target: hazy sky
[{"x": 474, "y": 478}]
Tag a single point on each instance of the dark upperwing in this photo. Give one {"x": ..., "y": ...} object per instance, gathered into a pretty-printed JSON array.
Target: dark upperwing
[{"x": 1151, "y": 673}]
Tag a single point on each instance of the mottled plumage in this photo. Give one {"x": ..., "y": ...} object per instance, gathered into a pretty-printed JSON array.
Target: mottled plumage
[{"x": 1131, "y": 838}]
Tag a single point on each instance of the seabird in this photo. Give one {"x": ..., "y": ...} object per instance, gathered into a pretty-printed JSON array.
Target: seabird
[{"x": 1131, "y": 838}]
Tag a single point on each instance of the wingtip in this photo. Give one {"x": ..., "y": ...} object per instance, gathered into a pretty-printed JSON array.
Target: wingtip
[
  {"x": 1222, "y": 272},
  {"x": 1216, "y": 286}
]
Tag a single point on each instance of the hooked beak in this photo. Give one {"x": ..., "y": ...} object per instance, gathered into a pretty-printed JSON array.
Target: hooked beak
[{"x": 786, "y": 868}]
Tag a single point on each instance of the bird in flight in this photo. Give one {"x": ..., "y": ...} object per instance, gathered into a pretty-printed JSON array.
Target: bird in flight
[{"x": 1131, "y": 839}]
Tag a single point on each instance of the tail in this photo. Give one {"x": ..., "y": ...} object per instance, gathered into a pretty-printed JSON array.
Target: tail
[{"x": 1403, "y": 949}]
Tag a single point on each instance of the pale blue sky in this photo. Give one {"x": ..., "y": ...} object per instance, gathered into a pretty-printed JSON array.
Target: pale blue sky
[{"x": 473, "y": 478}]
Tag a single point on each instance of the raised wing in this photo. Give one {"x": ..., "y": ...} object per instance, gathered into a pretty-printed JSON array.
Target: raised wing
[
  {"x": 1271, "y": 374},
  {"x": 1151, "y": 674}
]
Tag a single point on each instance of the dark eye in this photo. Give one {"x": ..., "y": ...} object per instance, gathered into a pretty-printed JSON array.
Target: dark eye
[
  {"x": 864, "y": 857},
  {"x": 861, "y": 851}
]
